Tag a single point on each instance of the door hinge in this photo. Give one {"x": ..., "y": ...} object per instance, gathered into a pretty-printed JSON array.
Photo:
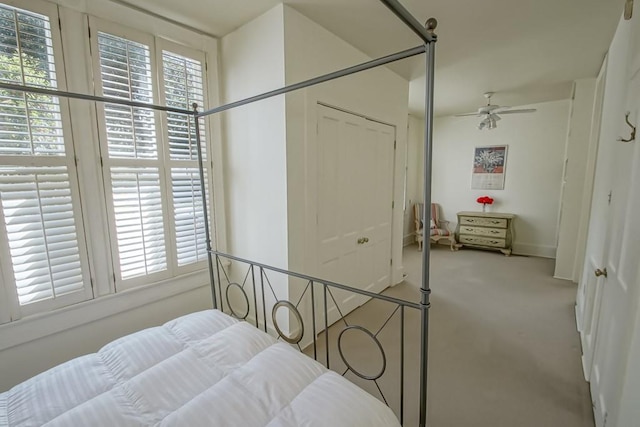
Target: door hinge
[
  {"x": 609, "y": 197},
  {"x": 91, "y": 284},
  {"x": 101, "y": 162},
  {"x": 75, "y": 160},
  {"x": 114, "y": 278},
  {"x": 393, "y": 204},
  {"x": 391, "y": 261},
  {"x": 60, "y": 23},
  {"x": 394, "y": 144}
]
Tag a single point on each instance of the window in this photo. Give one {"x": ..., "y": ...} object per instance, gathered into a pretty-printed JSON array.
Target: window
[
  {"x": 132, "y": 163},
  {"x": 150, "y": 158},
  {"x": 147, "y": 174},
  {"x": 44, "y": 261}
]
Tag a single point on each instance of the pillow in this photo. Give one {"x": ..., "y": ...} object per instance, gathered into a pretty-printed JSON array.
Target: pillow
[{"x": 433, "y": 224}]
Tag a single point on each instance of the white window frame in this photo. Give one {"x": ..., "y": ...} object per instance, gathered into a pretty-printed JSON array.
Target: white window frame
[
  {"x": 97, "y": 25},
  {"x": 163, "y": 162},
  {"x": 162, "y": 45},
  {"x": 10, "y": 307}
]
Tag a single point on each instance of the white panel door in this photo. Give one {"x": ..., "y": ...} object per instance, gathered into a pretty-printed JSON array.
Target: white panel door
[
  {"x": 588, "y": 296},
  {"x": 376, "y": 207},
  {"x": 620, "y": 287},
  {"x": 354, "y": 196},
  {"x": 590, "y": 291},
  {"x": 590, "y": 288}
]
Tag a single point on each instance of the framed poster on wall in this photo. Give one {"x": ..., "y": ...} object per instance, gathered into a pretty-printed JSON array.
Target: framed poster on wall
[{"x": 489, "y": 165}]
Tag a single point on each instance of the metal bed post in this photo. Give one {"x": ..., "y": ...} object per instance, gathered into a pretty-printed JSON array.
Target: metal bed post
[
  {"x": 425, "y": 290},
  {"x": 203, "y": 189},
  {"x": 429, "y": 38}
]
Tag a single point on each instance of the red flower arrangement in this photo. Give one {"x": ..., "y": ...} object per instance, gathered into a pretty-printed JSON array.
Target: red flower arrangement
[{"x": 485, "y": 200}]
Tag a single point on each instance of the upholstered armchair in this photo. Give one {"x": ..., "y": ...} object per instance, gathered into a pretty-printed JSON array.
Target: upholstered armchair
[{"x": 438, "y": 229}]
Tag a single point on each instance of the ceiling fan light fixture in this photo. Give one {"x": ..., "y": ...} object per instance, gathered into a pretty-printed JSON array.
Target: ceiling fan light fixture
[
  {"x": 490, "y": 113},
  {"x": 488, "y": 123}
]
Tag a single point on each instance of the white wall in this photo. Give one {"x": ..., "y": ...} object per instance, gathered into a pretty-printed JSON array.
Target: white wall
[
  {"x": 577, "y": 171},
  {"x": 533, "y": 172},
  {"x": 415, "y": 151},
  {"x": 252, "y": 61},
  {"x": 311, "y": 50},
  {"x": 254, "y": 145}
]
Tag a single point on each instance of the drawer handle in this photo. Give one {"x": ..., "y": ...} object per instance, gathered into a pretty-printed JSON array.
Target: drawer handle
[
  {"x": 495, "y": 222},
  {"x": 495, "y": 232}
]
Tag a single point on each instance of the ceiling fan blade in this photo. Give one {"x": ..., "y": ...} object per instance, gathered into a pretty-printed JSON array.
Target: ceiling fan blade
[
  {"x": 501, "y": 109},
  {"x": 467, "y": 114},
  {"x": 524, "y": 110},
  {"x": 495, "y": 117}
]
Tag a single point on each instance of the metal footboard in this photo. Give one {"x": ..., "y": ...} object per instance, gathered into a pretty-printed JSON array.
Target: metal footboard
[{"x": 305, "y": 312}]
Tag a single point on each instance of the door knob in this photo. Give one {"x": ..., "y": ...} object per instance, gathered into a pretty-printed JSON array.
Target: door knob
[
  {"x": 361, "y": 240},
  {"x": 366, "y": 239},
  {"x": 602, "y": 272}
]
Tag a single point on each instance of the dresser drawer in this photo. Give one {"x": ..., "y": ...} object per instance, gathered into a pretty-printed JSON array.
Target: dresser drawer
[
  {"x": 479, "y": 231},
  {"x": 483, "y": 222},
  {"x": 483, "y": 241}
]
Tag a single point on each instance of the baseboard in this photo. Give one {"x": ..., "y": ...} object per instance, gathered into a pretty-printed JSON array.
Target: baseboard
[
  {"x": 409, "y": 239},
  {"x": 570, "y": 279},
  {"x": 534, "y": 250}
]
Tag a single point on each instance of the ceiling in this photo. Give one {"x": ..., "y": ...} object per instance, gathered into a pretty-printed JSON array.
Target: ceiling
[{"x": 527, "y": 51}]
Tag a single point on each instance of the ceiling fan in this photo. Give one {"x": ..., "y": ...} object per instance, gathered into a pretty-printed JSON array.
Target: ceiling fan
[{"x": 490, "y": 113}]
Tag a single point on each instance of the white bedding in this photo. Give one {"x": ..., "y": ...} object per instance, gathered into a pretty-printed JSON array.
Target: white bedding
[{"x": 201, "y": 369}]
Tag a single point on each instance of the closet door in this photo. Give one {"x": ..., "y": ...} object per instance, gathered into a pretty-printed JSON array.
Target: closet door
[
  {"x": 376, "y": 169},
  {"x": 354, "y": 196}
]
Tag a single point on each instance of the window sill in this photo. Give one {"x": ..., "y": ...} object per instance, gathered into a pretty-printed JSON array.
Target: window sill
[{"x": 43, "y": 324}]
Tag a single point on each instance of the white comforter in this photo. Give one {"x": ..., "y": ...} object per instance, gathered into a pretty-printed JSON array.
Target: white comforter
[{"x": 201, "y": 369}]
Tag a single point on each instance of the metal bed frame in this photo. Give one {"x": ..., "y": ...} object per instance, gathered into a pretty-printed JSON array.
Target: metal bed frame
[{"x": 324, "y": 287}]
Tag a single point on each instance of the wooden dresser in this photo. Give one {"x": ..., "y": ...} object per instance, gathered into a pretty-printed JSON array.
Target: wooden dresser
[{"x": 485, "y": 230}]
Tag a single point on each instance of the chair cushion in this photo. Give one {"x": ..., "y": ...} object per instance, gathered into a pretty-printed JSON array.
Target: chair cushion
[{"x": 438, "y": 232}]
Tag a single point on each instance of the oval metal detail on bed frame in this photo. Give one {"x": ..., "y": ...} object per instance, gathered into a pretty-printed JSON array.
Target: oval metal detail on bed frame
[
  {"x": 351, "y": 368},
  {"x": 295, "y": 339},
  {"x": 246, "y": 299}
]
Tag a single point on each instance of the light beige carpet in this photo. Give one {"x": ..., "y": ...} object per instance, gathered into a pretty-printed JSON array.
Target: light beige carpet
[{"x": 504, "y": 350}]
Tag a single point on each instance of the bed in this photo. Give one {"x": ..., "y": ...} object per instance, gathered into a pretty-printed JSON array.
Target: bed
[
  {"x": 209, "y": 368},
  {"x": 205, "y": 368}
]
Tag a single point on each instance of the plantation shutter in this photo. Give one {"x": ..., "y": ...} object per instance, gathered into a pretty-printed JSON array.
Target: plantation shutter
[
  {"x": 188, "y": 215},
  {"x": 38, "y": 184},
  {"x": 40, "y": 225},
  {"x": 134, "y": 163},
  {"x": 183, "y": 85}
]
